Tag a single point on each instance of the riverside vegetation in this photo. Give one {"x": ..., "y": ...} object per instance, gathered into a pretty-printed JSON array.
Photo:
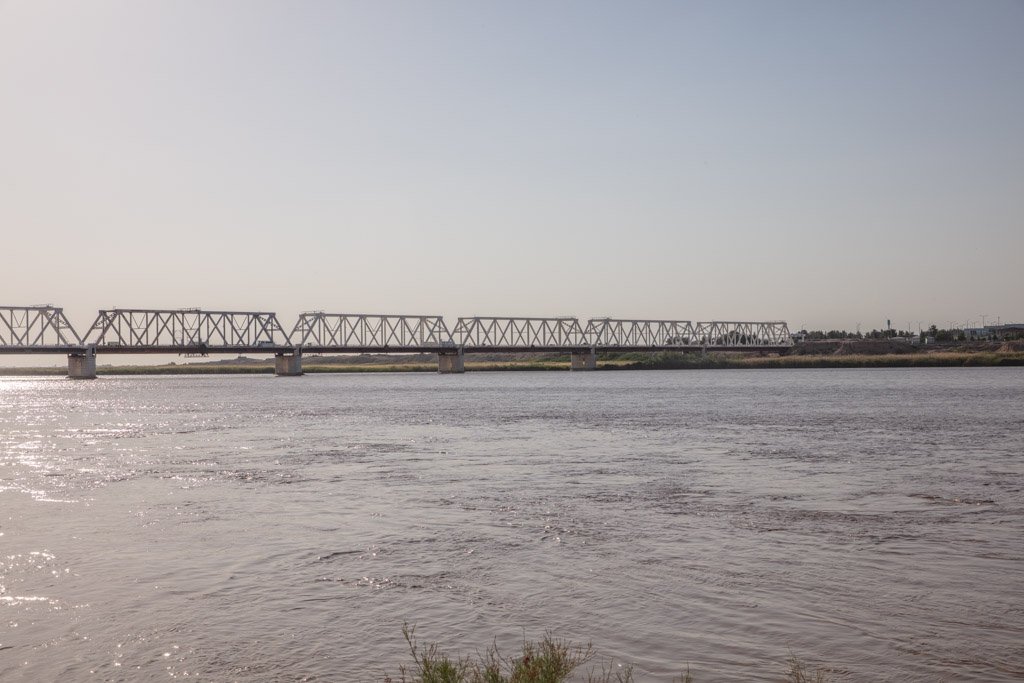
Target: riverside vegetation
[{"x": 550, "y": 660}]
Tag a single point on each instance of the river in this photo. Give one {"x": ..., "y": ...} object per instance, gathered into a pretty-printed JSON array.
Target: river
[{"x": 223, "y": 528}]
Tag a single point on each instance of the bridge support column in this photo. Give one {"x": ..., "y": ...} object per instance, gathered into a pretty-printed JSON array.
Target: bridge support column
[
  {"x": 82, "y": 365},
  {"x": 288, "y": 365},
  {"x": 452, "y": 362},
  {"x": 583, "y": 360}
]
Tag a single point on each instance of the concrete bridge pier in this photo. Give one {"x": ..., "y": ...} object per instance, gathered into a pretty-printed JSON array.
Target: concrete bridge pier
[
  {"x": 82, "y": 364},
  {"x": 451, "y": 362},
  {"x": 288, "y": 364},
  {"x": 583, "y": 360}
]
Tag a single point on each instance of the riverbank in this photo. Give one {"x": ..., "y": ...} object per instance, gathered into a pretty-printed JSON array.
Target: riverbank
[{"x": 520, "y": 362}]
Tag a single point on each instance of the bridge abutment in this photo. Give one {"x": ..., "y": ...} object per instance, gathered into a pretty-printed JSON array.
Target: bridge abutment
[
  {"x": 82, "y": 365},
  {"x": 583, "y": 360},
  {"x": 452, "y": 362},
  {"x": 288, "y": 365}
]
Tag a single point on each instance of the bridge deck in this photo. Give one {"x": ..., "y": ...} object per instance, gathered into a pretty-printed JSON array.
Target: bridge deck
[{"x": 29, "y": 350}]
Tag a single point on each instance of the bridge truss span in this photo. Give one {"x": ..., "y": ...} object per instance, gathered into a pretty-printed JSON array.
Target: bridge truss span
[
  {"x": 36, "y": 329},
  {"x": 187, "y": 330},
  {"x": 356, "y": 332},
  {"x": 740, "y": 335},
  {"x": 605, "y": 333},
  {"x": 519, "y": 334},
  {"x": 610, "y": 334}
]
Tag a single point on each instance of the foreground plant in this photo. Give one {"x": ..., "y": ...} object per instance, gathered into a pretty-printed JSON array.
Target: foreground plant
[
  {"x": 799, "y": 673},
  {"x": 431, "y": 665},
  {"x": 549, "y": 661}
]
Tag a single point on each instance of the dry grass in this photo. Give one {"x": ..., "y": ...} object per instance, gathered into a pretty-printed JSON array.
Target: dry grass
[
  {"x": 670, "y": 360},
  {"x": 550, "y": 660}
]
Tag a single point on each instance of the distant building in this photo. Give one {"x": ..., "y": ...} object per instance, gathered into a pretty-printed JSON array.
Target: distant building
[
  {"x": 1008, "y": 331},
  {"x": 1013, "y": 330}
]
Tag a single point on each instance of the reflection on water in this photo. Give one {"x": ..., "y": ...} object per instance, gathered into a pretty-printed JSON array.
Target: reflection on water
[{"x": 266, "y": 528}]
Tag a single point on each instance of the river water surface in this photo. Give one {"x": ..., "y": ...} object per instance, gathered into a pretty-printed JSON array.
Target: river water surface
[{"x": 261, "y": 528}]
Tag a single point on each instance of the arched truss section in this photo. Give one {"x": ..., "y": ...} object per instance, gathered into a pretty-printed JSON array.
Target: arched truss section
[
  {"x": 185, "y": 330},
  {"x": 36, "y": 328}
]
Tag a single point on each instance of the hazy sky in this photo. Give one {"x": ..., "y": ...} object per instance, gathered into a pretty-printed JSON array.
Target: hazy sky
[{"x": 825, "y": 163}]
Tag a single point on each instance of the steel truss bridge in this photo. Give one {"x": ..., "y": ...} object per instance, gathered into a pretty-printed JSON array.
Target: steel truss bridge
[{"x": 192, "y": 331}]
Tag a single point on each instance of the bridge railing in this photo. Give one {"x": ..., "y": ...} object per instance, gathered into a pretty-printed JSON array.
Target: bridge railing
[
  {"x": 370, "y": 331},
  {"x": 36, "y": 327},
  {"x": 520, "y": 333},
  {"x": 188, "y": 328}
]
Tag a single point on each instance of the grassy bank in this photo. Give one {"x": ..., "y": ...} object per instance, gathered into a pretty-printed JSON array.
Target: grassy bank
[{"x": 669, "y": 361}]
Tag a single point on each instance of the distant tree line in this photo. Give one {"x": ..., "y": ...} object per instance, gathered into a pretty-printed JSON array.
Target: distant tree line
[
  {"x": 819, "y": 335},
  {"x": 933, "y": 331}
]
